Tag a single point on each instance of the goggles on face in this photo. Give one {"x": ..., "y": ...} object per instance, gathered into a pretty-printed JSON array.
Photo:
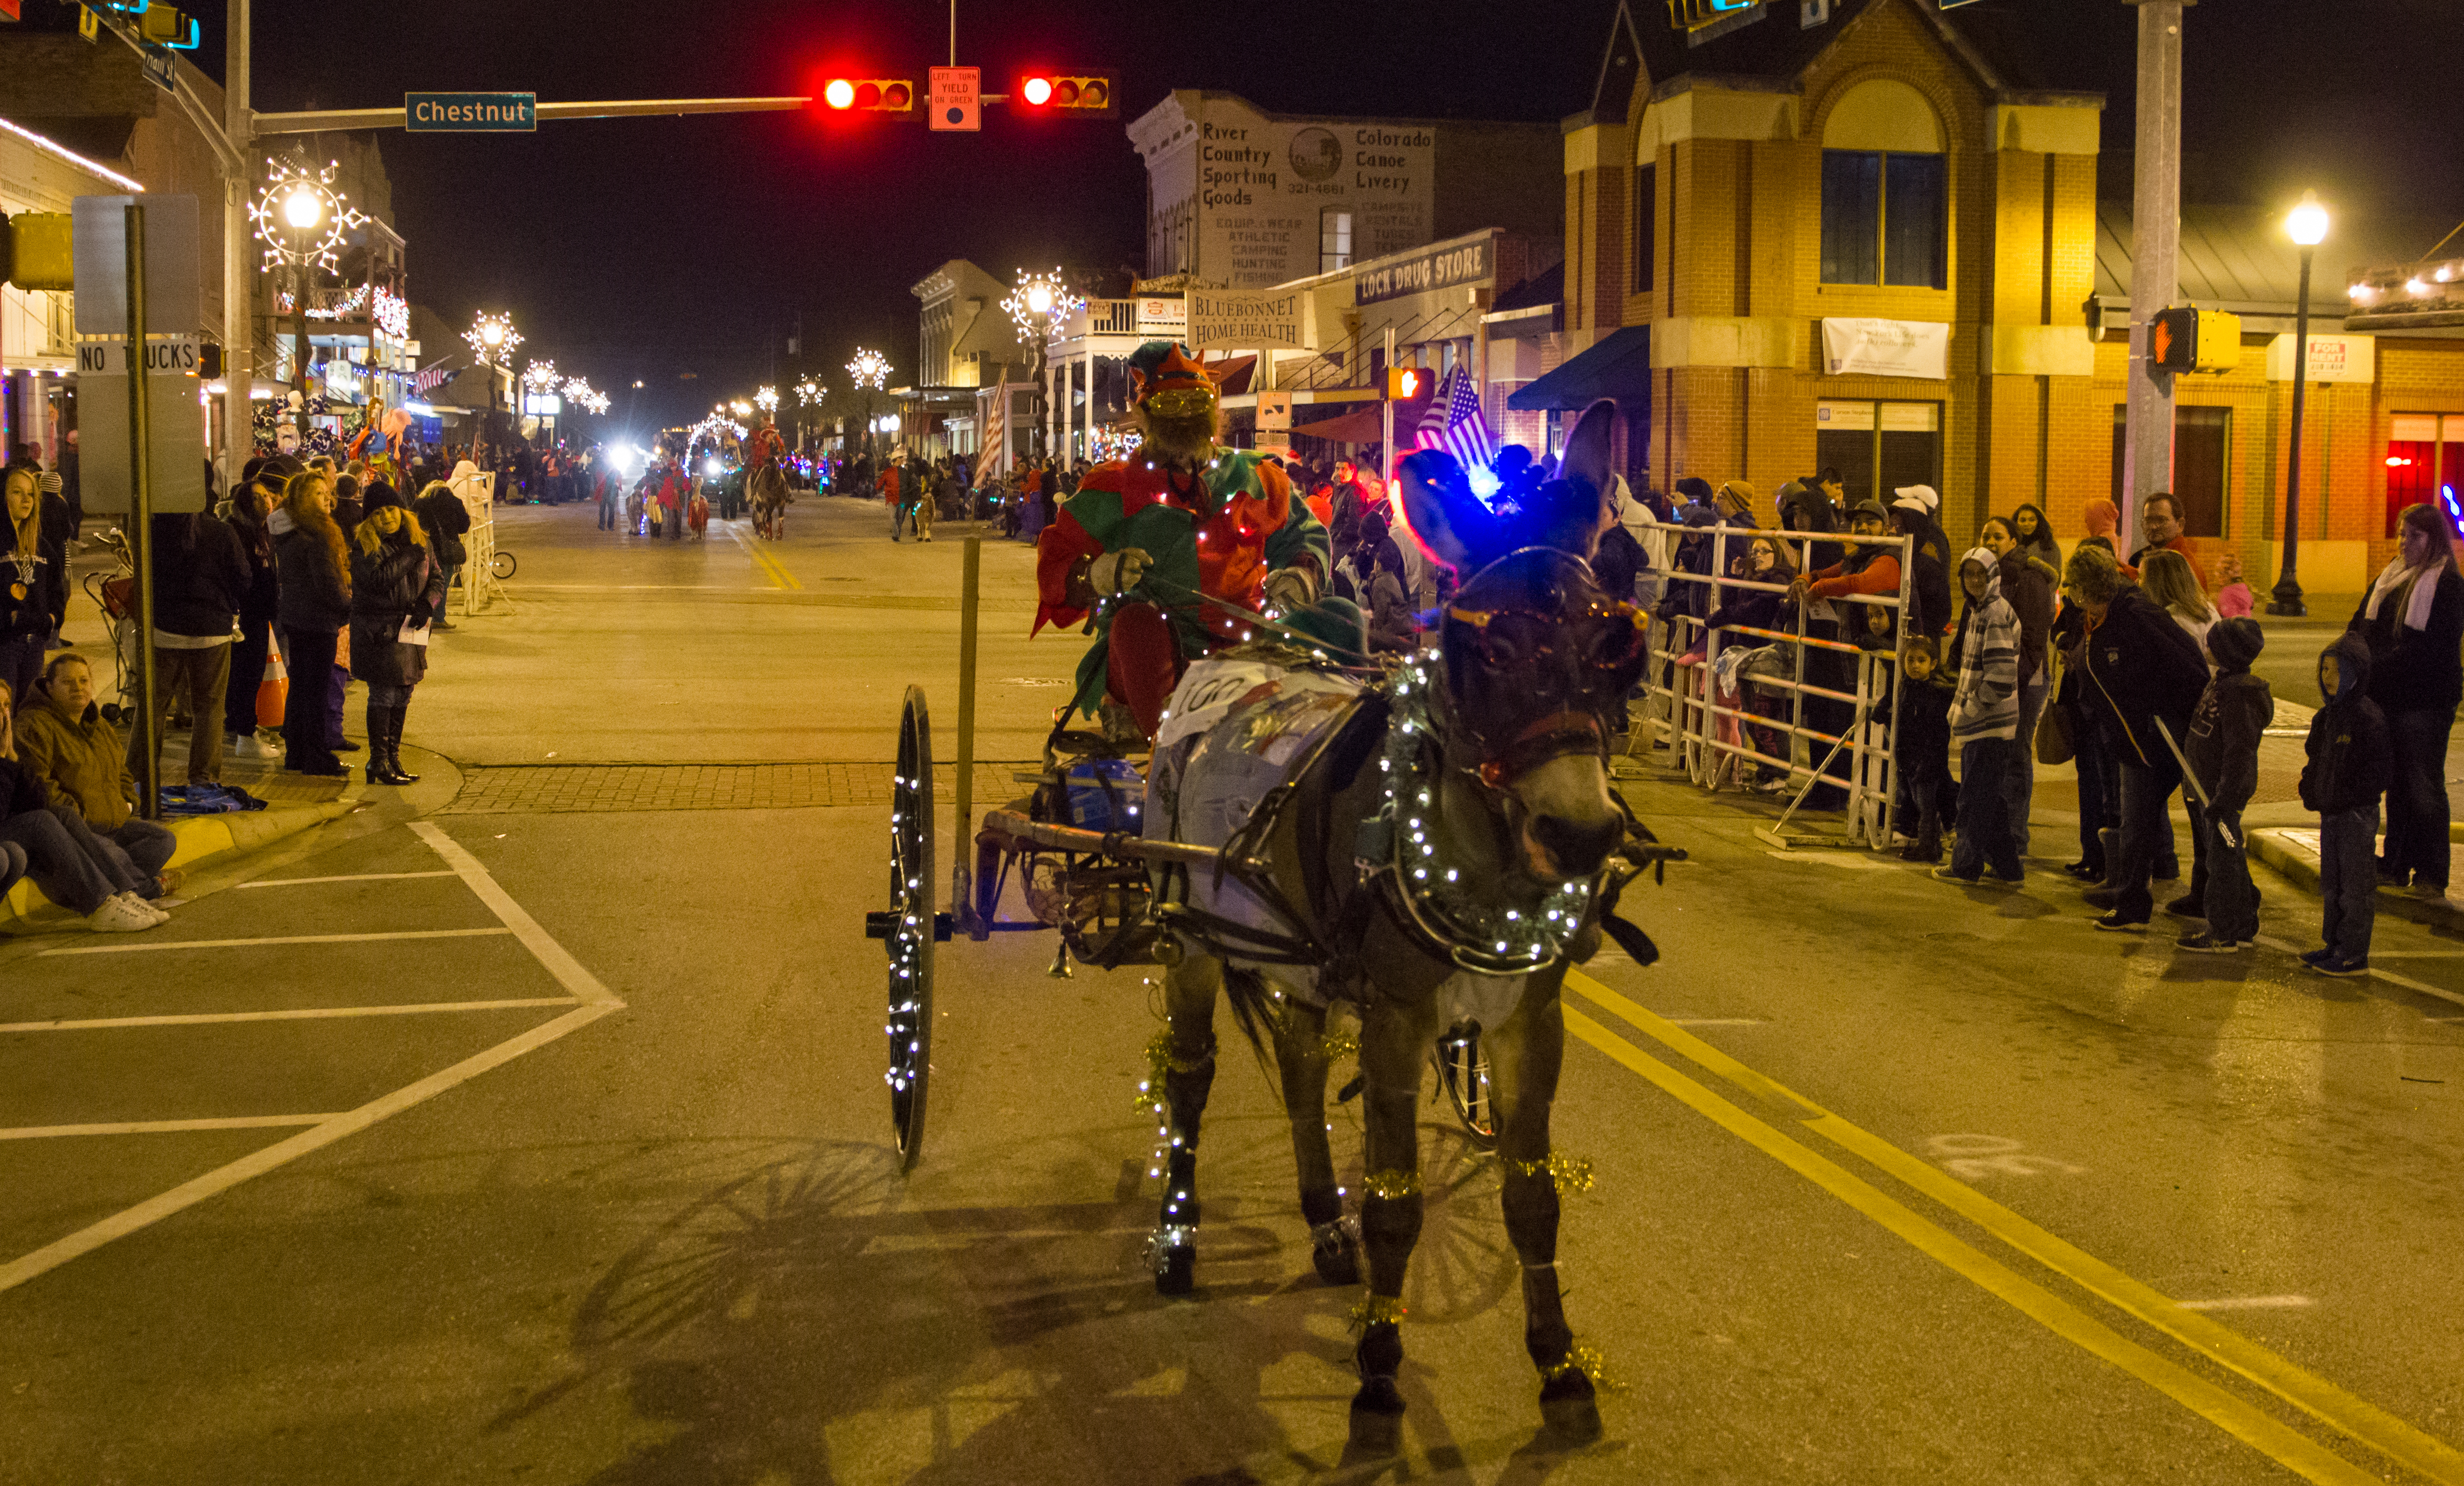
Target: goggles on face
[{"x": 1181, "y": 402}]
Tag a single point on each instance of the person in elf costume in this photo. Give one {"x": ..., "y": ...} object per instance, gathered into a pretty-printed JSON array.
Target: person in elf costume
[{"x": 1197, "y": 517}]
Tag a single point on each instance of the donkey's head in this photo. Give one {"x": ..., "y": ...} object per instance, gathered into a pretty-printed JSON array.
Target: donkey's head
[{"x": 1536, "y": 655}]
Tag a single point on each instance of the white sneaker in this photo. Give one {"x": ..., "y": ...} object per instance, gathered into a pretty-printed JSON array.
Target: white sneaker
[
  {"x": 253, "y": 747},
  {"x": 117, "y": 917},
  {"x": 142, "y": 907}
]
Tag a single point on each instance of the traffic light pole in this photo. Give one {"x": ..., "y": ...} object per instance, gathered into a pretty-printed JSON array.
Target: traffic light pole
[
  {"x": 239, "y": 270},
  {"x": 2155, "y": 257}
]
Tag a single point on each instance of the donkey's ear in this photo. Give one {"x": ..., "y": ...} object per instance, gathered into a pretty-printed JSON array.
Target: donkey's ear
[
  {"x": 1446, "y": 519},
  {"x": 1587, "y": 448}
]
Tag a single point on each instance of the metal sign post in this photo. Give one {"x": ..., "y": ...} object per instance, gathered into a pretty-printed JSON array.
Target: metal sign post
[
  {"x": 141, "y": 507},
  {"x": 963, "y": 897}
]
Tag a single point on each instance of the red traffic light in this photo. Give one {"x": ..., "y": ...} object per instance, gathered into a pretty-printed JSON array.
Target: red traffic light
[
  {"x": 871, "y": 95},
  {"x": 1080, "y": 95},
  {"x": 1037, "y": 90}
]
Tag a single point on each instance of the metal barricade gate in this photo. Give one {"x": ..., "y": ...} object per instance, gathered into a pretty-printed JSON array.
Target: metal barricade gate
[{"x": 1711, "y": 741}]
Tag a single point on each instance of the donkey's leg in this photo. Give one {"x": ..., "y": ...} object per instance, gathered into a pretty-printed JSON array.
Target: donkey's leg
[
  {"x": 1394, "y": 1042},
  {"x": 1523, "y": 1058},
  {"x": 1190, "y": 990},
  {"x": 1301, "y": 1056}
]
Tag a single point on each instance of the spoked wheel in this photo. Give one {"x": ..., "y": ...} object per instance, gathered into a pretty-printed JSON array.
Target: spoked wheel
[
  {"x": 1463, "y": 1072},
  {"x": 503, "y": 564},
  {"x": 912, "y": 926}
]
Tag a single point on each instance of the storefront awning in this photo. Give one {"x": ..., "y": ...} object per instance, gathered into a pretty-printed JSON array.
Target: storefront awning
[
  {"x": 1366, "y": 424},
  {"x": 1617, "y": 367}
]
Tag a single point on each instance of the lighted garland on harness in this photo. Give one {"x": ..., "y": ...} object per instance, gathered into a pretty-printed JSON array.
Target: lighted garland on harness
[{"x": 1484, "y": 936}]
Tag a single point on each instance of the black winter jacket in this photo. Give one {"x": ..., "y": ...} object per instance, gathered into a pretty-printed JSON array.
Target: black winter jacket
[
  {"x": 2142, "y": 667},
  {"x": 200, "y": 575},
  {"x": 2351, "y": 757},
  {"x": 313, "y": 596},
  {"x": 2233, "y": 715},
  {"x": 46, "y": 599},
  {"x": 398, "y": 584},
  {"x": 2416, "y": 670},
  {"x": 262, "y": 601},
  {"x": 445, "y": 519},
  {"x": 22, "y": 790}
]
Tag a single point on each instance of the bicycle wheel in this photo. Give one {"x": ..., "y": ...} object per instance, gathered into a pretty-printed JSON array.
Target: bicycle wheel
[
  {"x": 911, "y": 930},
  {"x": 503, "y": 564},
  {"x": 1463, "y": 1072}
]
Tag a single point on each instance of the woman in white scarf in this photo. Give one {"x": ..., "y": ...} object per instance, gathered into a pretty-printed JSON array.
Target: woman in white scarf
[{"x": 2413, "y": 621}]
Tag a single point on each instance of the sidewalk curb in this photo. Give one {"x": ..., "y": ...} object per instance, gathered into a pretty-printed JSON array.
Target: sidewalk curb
[
  {"x": 2297, "y": 864},
  {"x": 202, "y": 839}
]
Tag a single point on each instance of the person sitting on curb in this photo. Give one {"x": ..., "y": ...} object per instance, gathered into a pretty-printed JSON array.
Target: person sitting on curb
[
  {"x": 52, "y": 844},
  {"x": 2351, "y": 762},
  {"x": 2223, "y": 749},
  {"x": 64, "y": 741}
]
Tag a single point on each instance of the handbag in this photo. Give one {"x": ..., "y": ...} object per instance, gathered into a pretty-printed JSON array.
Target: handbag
[{"x": 2055, "y": 742}]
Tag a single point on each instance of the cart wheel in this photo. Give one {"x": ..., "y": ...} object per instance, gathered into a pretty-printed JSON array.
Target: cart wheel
[
  {"x": 503, "y": 564},
  {"x": 1463, "y": 1072},
  {"x": 911, "y": 929}
]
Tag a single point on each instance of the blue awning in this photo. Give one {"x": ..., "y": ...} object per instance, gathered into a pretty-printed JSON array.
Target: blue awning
[{"x": 1618, "y": 367}]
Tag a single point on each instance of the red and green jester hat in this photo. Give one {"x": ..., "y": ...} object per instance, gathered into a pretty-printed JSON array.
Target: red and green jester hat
[{"x": 1189, "y": 515}]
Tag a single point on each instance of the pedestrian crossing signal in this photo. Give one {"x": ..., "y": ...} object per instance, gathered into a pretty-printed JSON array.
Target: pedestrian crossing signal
[
  {"x": 2194, "y": 340},
  {"x": 1406, "y": 382},
  {"x": 1077, "y": 95},
  {"x": 891, "y": 95}
]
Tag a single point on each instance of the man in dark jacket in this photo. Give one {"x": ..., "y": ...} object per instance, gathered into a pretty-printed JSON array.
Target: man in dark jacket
[
  {"x": 2351, "y": 762},
  {"x": 259, "y": 492},
  {"x": 445, "y": 519},
  {"x": 201, "y": 573},
  {"x": 2141, "y": 669},
  {"x": 2223, "y": 751}
]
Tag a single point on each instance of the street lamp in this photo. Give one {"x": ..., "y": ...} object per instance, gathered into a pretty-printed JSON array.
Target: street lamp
[
  {"x": 869, "y": 370},
  {"x": 304, "y": 224},
  {"x": 2307, "y": 226},
  {"x": 1039, "y": 306}
]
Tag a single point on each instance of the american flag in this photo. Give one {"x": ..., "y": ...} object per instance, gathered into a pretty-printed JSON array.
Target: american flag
[
  {"x": 1457, "y": 423},
  {"x": 996, "y": 433}
]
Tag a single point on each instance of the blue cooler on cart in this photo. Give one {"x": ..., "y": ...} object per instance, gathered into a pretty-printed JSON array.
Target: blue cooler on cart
[{"x": 1105, "y": 795}]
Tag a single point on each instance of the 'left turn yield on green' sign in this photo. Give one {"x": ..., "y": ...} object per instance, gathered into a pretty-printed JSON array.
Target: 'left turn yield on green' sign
[{"x": 471, "y": 113}]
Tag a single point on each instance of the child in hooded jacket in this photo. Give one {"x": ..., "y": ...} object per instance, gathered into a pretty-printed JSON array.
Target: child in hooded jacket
[
  {"x": 2222, "y": 749},
  {"x": 1922, "y": 746},
  {"x": 1985, "y": 725},
  {"x": 2352, "y": 758}
]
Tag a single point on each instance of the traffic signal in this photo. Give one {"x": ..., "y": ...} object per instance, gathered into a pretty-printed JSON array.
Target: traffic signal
[
  {"x": 1404, "y": 383},
  {"x": 2194, "y": 340},
  {"x": 1695, "y": 14},
  {"x": 34, "y": 251},
  {"x": 1074, "y": 94},
  {"x": 895, "y": 96},
  {"x": 158, "y": 25}
]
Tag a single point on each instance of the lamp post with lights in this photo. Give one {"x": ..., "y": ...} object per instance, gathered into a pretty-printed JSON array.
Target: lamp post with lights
[
  {"x": 303, "y": 223},
  {"x": 869, "y": 371},
  {"x": 1038, "y": 306},
  {"x": 2307, "y": 226},
  {"x": 492, "y": 339}
]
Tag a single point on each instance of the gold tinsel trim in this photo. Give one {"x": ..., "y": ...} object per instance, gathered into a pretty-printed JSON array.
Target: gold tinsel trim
[
  {"x": 1589, "y": 1362},
  {"x": 1573, "y": 1174},
  {"x": 1340, "y": 1045},
  {"x": 1390, "y": 1185},
  {"x": 1379, "y": 1310}
]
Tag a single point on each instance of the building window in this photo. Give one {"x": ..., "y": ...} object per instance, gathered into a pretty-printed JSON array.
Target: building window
[
  {"x": 1646, "y": 225},
  {"x": 1334, "y": 240},
  {"x": 2202, "y": 452},
  {"x": 1879, "y": 447},
  {"x": 2425, "y": 455},
  {"x": 1885, "y": 219}
]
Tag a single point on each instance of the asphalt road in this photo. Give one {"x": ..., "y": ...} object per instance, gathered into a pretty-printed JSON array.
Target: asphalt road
[{"x": 1895, "y": 1181}]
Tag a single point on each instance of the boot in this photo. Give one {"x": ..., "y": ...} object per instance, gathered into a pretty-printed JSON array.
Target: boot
[
  {"x": 393, "y": 745},
  {"x": 378, "y": 773},
  {"x": 1927, "y": 846}
]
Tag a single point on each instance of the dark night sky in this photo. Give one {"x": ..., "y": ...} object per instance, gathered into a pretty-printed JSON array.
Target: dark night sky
[{"x": 646, "y": 248}]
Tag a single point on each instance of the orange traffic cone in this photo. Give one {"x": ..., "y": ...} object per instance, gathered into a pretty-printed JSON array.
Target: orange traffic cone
[{"x": 273, "y": 692}]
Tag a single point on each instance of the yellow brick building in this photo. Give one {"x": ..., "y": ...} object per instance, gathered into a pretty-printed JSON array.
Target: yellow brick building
[{"x": 1867, "y": 241}]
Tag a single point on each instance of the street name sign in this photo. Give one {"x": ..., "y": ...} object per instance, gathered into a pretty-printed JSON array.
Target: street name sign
[
  {"x": 471, "y": 113},
  {"x": 956, "y": 99}
]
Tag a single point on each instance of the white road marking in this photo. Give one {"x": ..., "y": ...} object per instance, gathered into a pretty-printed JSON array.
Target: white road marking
[
  {"x": 2250, "y": 1303},
  {"x": 348, "y": 877},
  {"x": 303, "y": 1013},
  {"x": 2376, "y": 973},
  {"x": 597, "y": 1002},
  {"x": 568, "y": 971},
  {"x": 1974, "y": 1156},
  {"x": 2417, "y": 954},
  {"x": 162, "y": 1126},
  {"x": 242, "y": 943}
]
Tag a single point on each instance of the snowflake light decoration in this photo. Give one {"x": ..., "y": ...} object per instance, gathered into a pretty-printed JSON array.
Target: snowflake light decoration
[
  {"x": 300, "y": 218},
  {"x": 1041, "y": 297},
  {"x": 492, "y": 339},
  {"x": 809, "y": 392},
  {"x": 539, "y": 377},
  {"x": 869, "y": 368},
  {"x": 767, "y": 399}
]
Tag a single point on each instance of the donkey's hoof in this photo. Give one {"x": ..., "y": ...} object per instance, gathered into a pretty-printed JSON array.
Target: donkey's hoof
[
  {"x": 1376, "y": 1419},
  {"x": 1569, "y": 1408},
  {"x": 1175, "y": 1269}
]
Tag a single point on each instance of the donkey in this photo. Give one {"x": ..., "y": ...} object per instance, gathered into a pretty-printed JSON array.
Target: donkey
[{"x": 1443, "y": 854}]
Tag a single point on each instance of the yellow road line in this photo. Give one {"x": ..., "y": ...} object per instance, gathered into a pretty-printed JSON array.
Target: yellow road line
[
  {"x": 2357, "y": 1418},
  {"x": 2236, "y": 1417},
  {"x": 769, "y": 566}
]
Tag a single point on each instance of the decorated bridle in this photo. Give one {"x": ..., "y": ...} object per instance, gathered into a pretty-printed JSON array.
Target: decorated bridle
[{"x": 1541, "y": 643}]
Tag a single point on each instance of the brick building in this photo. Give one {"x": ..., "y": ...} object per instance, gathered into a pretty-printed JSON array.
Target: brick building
[{"x": 1874, "y": 240}]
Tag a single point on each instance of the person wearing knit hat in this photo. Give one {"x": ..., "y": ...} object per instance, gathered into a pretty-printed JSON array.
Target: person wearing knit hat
[
  {"x": 1199, "y": 521},
  {"x": 1736, "y": 500}
]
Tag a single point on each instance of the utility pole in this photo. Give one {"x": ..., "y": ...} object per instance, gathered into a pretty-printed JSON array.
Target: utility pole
[
  {"x": 2155, "y": 256},
  {"x": 239, "y": 267}
]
